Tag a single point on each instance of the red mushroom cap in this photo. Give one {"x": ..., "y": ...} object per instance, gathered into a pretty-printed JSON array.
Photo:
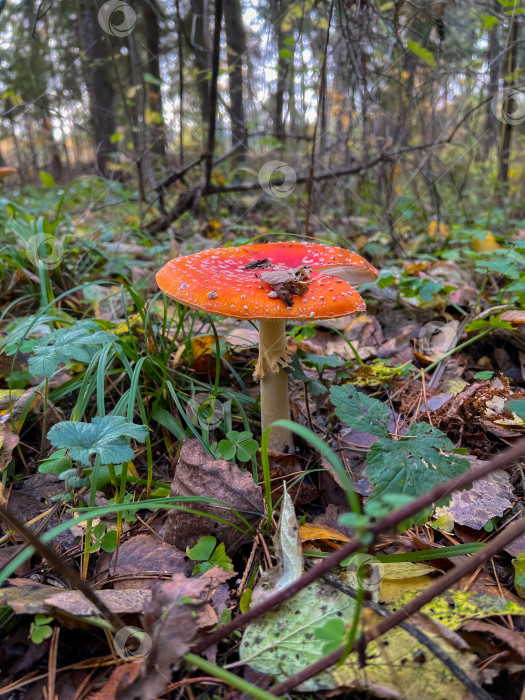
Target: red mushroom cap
[
  {"x": 227, "y": 281},
  {"x": 5, "y": 172}
]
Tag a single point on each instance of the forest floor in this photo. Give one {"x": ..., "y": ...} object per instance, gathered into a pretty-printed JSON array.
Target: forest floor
[{"x": 127, "y": 422}]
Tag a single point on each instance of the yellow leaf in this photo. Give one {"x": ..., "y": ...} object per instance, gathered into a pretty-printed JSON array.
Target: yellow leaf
[
  {"x": 310, "y": 532},
  {"x": 434, "y": 229},
  {"x": 485, "y": 245}
]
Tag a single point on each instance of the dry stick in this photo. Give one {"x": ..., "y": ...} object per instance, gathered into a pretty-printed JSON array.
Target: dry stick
[
  {"x": 67, "y": 572},
  {"x": 434, "y": 648},
  {"x": 492, "y": 548},
  {"x": 440, "y": 491}
]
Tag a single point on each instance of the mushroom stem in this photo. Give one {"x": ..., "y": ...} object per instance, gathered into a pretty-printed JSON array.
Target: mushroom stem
[{"x": 273, "y": 351}]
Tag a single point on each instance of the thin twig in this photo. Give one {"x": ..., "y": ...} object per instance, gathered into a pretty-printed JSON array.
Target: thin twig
[
  {"x": 391, "y": 521},
  {"x": 434, "y": 648},
  {"x": 396, "y": 618},
  {"x": 68, "y": 573}
]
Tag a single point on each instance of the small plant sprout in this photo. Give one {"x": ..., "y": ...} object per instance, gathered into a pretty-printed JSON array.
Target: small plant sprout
[{"x": 272, "y": 283}]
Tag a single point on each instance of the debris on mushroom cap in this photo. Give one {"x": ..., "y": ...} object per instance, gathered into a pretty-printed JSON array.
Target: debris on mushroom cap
[{"x": 239, "y": 277}]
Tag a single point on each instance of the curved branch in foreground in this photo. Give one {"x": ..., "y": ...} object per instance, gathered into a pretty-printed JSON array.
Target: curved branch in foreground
[
  {"x": 501, "y": 461},
  {"x": 477, "y": 691},
  {"x": 511, "y": 533}
]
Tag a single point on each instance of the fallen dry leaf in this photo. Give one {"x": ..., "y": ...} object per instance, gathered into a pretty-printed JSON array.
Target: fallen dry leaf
[
  {"x": 198, "y": 474},
  {"x": 488, "y": 498},
  {"x": 8, "y": 442},
  {"x": 120, "y": 602},
  {"x": 146, "y": 554},
  {"x": 124, "y": 675},
  {"x": 512, "y": 639},
  {"x": 311, "y": 532},
  {"x": 172, "y": 628}
]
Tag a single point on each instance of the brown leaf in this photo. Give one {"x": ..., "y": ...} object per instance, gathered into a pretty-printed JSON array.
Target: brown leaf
[
  {"x": 488, "y": 498},
  {"x": 146, "y": 554},
  {"x": 27, "y": 599},
  {"x": 8, "y": 442},
  {"x": 124, "y": 675},
  {"x": 198, "y": 474},
  {"x": 512, "y": 639},
  {"x": 121, "y": 602},
  {"x": 172, "y": 628}
]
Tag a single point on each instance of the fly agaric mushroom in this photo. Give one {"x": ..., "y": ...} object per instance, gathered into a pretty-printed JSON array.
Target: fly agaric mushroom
[{"x": 270, "y": 282}]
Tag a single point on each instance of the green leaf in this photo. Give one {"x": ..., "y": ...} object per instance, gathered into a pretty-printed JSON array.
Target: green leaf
[
  {"x": 489, "y": 21},
  {"x": 517, "y": 407},
  {"x": 149, "y": 78},
  {"x": 503, "y": 267},
  {"x": 428, "y": 289},
  {"x": 79, "y": 343},
  {"x": 47, "y": 179},
  {"x": 40, "y": 633},
  {"x": 73, "y": 479},
  {"x": 359, "y": 411},
  {"x": 333, "y": 632},
  {"x": 486, "y": 374},
  {"x": 104, "y": 436},
  {"x": 203, "y": 550},
  {"x": 220, "y": 558},
  {"x": 227, "y": 449},
  {"x": 285, "y": 53},
  {"x": 56, "y": 463},
  {"x": 483, "y": 323},
  {"x": 423, "y": 53},
  {"x": 246, "y": 450},
  {"x": 414, "y": 464},
  {"x": 322, "y": 362},
  {"x": 109, "y": 541}
]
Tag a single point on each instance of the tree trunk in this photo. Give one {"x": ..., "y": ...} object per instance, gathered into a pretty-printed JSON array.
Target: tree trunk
[
  {"x": 507, "y": 108},
  {"x": 284, "y": 58},
  {"x": 151, "y": 65},
  {"x": 494, "y": 62},
  {"x": 98, "y": 84},
  {"x": 236, "y": 47},
  {"x": 199, "y": 35}
]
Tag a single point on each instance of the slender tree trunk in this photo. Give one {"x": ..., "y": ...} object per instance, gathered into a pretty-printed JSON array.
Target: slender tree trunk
[
  {"x": 506, "y": 129},
  {"x": 100, "y": 90},
  {"x": 236, "y": 47},
  {"x": 284, "y": 58},
  {"x": 199, "y": 34},
  {"x": 494, "y": 62},
  {"x": 151, "y": 65}
]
